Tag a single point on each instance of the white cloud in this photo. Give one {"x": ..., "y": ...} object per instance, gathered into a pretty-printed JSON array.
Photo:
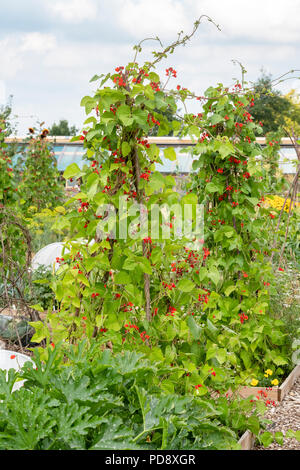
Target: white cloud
[
  {"x": 157, "y": 17},
  {"x": 2, "y": 92},
  {"x": 38, "y": 42},
  {"x": 10, "y": 58},
  {"x": 93, "y": 58},
  {"x": 216, "y": 63},
  {"x": 73, "y": 11},
  {"x": 15, "y": 50},
  {"x": 259, "y": 20}
]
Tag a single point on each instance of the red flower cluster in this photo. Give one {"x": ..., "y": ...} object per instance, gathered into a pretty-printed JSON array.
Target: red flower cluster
[
  {"x": 204, "y": 137},
  {"x": 170, "y": 71},
  {"x": 152, "y": 118},
  {"x": 172, "y": 310},
  {"x": 234, "y": 160},
  {"x": 95, "y": 163},
  {"x": 155, "y": 312},
  {"x": 262, "y": 393},
  {"x": 106, "y": 188},
  {"x": 144, "y": 142},
  {"x": 145, "y": 176},
  {"x": 125, "y": 309},
  {"x": 144, "y": 336},
  {"x": 119, "y": 79},
  {"x": 131, "y": 194},
  {"x": 84, "y": 207},
  {"x": 243, "y": 317},
  {"x": 139, "y": 78},
  {"x": 129, "y": 325},
  {"x": 206, "y": 253},
  {"x": 82, "y": 137},
  {"x": 169, "y": 286},
  {"x": 192, "y": 258},
  {"x": 77, "y": 267},
  {"x": 203, "y": 298},
  {"x": 248, "y": 116},
  {"x": 238, "y": 86}
]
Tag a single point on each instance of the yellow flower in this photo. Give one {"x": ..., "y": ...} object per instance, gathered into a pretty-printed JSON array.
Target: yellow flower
[
  {"x": 254, "y": 382},
  {"x": 268, "y": 372},
  {"x": 277, "y": 202},
  {"x": 275, "y": 382}
]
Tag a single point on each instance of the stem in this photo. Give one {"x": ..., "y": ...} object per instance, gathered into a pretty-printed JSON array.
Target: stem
[
  {"x": 288, "y": 222},
  {"x": 293, "y": 188},
  {"x": 137, "y": 172},
  {"x": 180, "y": 41}
]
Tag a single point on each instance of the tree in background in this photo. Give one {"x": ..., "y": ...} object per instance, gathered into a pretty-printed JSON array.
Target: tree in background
[
  {"x": 62, "y": 128},
  {"x": 40, "y": 183},
  {"x": 5, "y": 113},
  {"x": 270, "y": 107},
  {"x": 171, "y": 117},
  {"x": 8, "y": 185}
]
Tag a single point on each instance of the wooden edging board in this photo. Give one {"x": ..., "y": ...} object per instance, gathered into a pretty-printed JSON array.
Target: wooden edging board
[
  {"x": 272, "y": 393},
  {"x": 248, "y": 438},
  {"x": 286, "y": 386}
]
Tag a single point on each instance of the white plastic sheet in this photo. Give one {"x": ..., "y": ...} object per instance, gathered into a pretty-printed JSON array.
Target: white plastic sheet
[
  {"x": 13, "y": 360},
  {"x": 47, "y": 256}
]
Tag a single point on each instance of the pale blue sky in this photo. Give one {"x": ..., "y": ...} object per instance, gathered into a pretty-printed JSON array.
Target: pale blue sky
[{"x": 49, "y": 50}]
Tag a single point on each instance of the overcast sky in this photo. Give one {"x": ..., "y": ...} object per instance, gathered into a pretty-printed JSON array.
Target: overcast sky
[{"x": 50, "y": 49}]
